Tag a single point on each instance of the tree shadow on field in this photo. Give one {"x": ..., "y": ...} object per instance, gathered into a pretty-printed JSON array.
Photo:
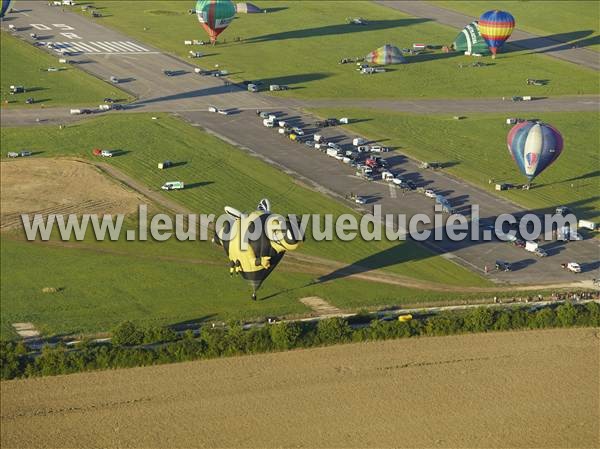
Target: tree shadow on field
[
  {"x": 554, "y": 42},
  {"x": 339, "y": 29},
  {"x": 192, "y": 324}
]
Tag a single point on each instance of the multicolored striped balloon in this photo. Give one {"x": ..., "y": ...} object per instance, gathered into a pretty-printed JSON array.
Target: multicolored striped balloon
[
  {"x": 215, "y": 16},
  {"x": 496, "y": 27},
  {"x": 534, "y": 146},
  {"x": 6, "y": 5},
  {"x": 388, "y": 54}
]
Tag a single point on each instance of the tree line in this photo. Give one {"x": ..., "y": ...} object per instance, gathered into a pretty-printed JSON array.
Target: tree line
[{"x": 132, "y": 345}]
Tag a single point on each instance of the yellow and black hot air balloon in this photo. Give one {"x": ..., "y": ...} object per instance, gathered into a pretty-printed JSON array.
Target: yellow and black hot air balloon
[{"x": 256, "y": 242}]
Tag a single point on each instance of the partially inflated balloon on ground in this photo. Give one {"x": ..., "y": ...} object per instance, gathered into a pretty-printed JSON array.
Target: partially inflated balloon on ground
[
  {"x": 534, "y": 146},
  {"x": 470, "y": 41},
  {"x": 215, "y": 16},
  {"x": 496, "y": 27}
]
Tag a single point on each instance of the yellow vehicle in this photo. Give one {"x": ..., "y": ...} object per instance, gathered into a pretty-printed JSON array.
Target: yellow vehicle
[
  {"x": 293, "y": 136},
  {"x": 404, "y": 318}
]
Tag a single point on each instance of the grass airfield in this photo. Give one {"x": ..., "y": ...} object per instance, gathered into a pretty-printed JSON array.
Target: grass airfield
[
  {"x": 98, "y": 275},
  {"x": 315, "y": 36},
  {"x": 27, "y": 66},
  {"x": 300, "y": 44}
]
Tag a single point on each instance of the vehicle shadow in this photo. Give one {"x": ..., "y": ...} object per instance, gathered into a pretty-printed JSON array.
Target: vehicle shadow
[{"x": 194, "y": 185}]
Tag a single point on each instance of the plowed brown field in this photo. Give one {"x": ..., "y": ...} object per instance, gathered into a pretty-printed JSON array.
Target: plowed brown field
[
  {"x": 518, "y": 389},
  {"x": 59, "y": 186}
]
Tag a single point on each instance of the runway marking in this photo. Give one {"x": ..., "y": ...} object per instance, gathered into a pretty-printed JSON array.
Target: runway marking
[
  {"x": 104, "y": 47},
  {"x": 393, "y": 193}
]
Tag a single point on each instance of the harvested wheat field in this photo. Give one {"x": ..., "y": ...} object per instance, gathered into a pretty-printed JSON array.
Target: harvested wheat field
[
  {"x": 60, "y": 186},
  {"x": 518, "y": 389}
]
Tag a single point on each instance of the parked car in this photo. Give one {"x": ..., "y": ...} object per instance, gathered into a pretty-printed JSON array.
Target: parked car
[
  {"x": 503, "y": 266},
  {"x": 430, "y": 193},
  {"x": 25, "y": 154},
  {"x": 519, "y": 243},
  {"x": 360, "y": 200},
  {"x": 298, "y": 131},
  {"x": 106, "y": 153},
  {"x": 540, "y": 252}
]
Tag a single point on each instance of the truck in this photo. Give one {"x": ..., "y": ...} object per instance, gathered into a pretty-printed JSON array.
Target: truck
[
  {"x": 252, "y": 88},
  {"x": 16, "y": 90},
  {"x": 173, "y": 185},
  {"x": 104, "y": 107},
  {"x": 357, "y": 141},
  {"x": 574, "y": 267},
  {"x": 531, "y": 246},
  {"x": 333, "y": 152},
  {"x": 268, "y": 123},
  {"x": 75, "y": 111},
  {"x": 12, "y": 154},
  {"x": 165, "y": 164}
]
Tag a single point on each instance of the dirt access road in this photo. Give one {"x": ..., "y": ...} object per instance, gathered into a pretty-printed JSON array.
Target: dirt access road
[{"x": 487, "y": 390}]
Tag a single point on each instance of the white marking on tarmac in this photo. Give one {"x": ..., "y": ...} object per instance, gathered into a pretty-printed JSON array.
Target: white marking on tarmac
[{"x": 393, "y": 193}]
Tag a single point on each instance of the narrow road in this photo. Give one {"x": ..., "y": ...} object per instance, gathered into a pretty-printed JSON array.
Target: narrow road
[
  {"x": 538, "y": 44},
  {"x": 583, "y": 103}
]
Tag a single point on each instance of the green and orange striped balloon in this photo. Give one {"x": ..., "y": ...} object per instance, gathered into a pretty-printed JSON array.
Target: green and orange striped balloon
[{"x": 215, "y": 16}]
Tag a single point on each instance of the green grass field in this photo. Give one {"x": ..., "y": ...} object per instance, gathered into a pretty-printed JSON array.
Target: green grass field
[
  {"x": 575, "y": 22},
  {"x": 104, "y": 289},
  {"x": 301, "y": 42},
  {"x": 107, "y": 282},
  {"x": 22, "y": 64},
  {"x": 477, "y": 148}
]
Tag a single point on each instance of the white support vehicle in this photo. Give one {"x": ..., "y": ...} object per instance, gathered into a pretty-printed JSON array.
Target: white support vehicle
[
  {"x": 173, "y": 185},
  {"x": 586, "y": 224},
  {"x": 387, "y": 176},
  {"x": 212, "y": 109},
  {"x": 357, "y": 141},
  {"x": 106, "y": 153},
  {"x": 430, "y": 193},
  {"x": 344, "y": 120},
  {"x": 104, "y": 107},
  {"x": 12, "y": 154},
  {"x": 317, "y": 137},
  {"x": 573, "y": 267},
  {"x": 379, "y": 149},
  {"x": 531, "y": 246},
  {"x": 75, "y": 111},
  {"x": 268, "y": 123}
]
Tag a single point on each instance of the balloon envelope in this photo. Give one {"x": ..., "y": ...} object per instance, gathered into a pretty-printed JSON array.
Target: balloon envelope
[
  {"x": 215, "y": 16},
  {"x": 496, "y": 27},
  {"x": 470, "y": 41},
  {"x": 5, "y": 7},
  {"x": 388, "y": 54},
  {"x": 254, "y": 257},
  {"x": 534, "y": 146}
]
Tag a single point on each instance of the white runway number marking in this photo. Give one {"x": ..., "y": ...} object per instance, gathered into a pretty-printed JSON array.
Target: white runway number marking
[{"x": 102, "y": 47}]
